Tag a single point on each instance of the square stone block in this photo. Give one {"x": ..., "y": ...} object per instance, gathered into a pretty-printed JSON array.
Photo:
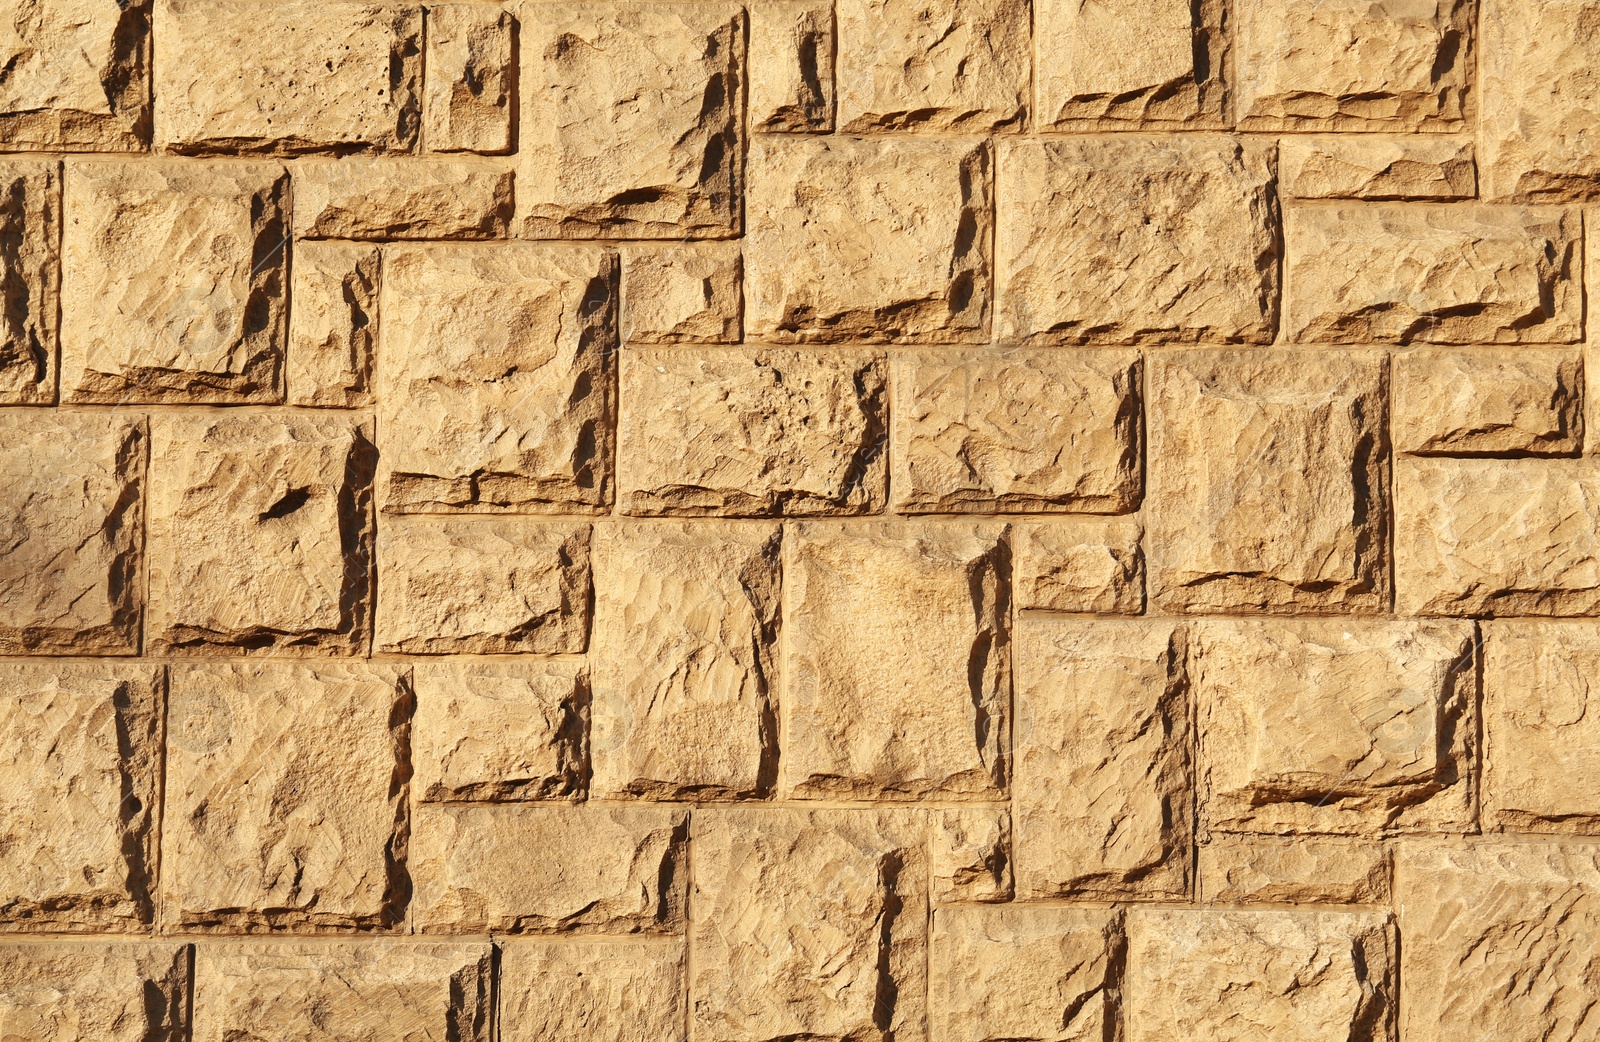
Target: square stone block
[
  {"x": 1079, "y": 566},
  {"x": 791, "y": 66},
  {"x": 597, "y": 991},
  {"x": 1492, "y": 401},
  {"x": 1298, "y": 869},
  {"x": 333, "y": 325},
  {"x": 470, "y": 78},
  {"x": 401, "y": 198},
  {"x": 1349, "y": 166},
  {"x": 95, "y": 990},
  {"x": 77, "y": 76},
  {"x": 30, "y": 269},
  {"x": 686, "y": 293},
  {"x": 969, "y": 853}
]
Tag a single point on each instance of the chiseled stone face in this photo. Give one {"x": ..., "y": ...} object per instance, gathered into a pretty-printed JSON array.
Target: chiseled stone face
[
  {"x": 397, "y": 199},
  {"x": 598, "y": 991},
  {"x": 30, "y": 269},
  {"x": 1079, "y": 566},
  {"x": 791, "y": 65},
  {"x": 685, "y": 293},
  {"x": 969, "y": 853},
  {"x": 1349, "y": 166},
  {"x": 77, "y": 76},
  {"x": 1292, "y": 870},
  {"x": 470, "y": 79},
  {"x": 1472, "y": 402},
  {"x": 94, "y": 990},
  {"x": 333, "y": 326}
]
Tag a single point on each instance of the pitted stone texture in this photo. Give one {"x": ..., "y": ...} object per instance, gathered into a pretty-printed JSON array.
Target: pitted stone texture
[
  {"x": 969, "y": 853},
  {"x": 547, "y": 868},
  {"x": 791, "y": 65},
  {"x": 260, "y": 534},
  {"x": 1512, "y": 401},
  {"x": 1349, "y": 167},
  {"x": 1130, "y": 64},
  {"x": 1292, "y": 870},
  {"x": 1497, "y": 537},
  {"x": 1017, "y": 431},
  {"x": 897, "y": 661},
  {"x": 958, "y": 65},
  {"x": 303, "y": 76},
  {"x": 466, "y": 99},
  {"x": 1079, "y": 566},
  {"x": 1342, "y": 726},
  {"x": 401, "y": 199},
  {"x": 592, "y": 990},
  {"x": 809, "y": 924},
  {"x": 1103, "y": 792},
  {"x": 286, "y": 796},
  {"x": 174, "y": 282},
  {"x": 1290, "y": 510},
  {"x": 71, "y": 532},
  {"x": 1137, "y": 240},
  {"x": 686, "y": 619},
  {"x": 30, "y": 279},
  {"x": 1353, "y": 64},
  {"x": 335, "y": 992},
  {"x": 94, "y": 991},
  {"x": 80, "y": 762},
  {"x": 482, "y": 585},
  {"x": 333, "y": 324},
  {"x": 752, "y": 432},
  {"x": 686, "y": 293},
  {"x": 77, "y": 76},
  {"x": 632, "y": 117},
  {"x": 868, "y": 240},
  {"x": 1433, "y": 273},
  {"x": 1313, "y": 976},
  {"x": 495, "y": 378}
]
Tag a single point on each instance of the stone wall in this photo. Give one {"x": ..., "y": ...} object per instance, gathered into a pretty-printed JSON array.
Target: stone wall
[{"x": 804, "y": 521}]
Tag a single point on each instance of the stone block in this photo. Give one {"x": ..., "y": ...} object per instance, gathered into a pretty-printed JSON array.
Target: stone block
[
  {"x": 969, "y": 853},
  {"x": 791, "y": 66},
  {"x": 686, "y": 293},
  {"x": 95, "y": 990},
  {"x": 598, "y": 991},
  {"x": 1297, "y": 869},
  {"x": 1351, "y": 167},
  {"x": 30, "y": 274},
  {"x": 404, "y": 198},
  {"x": 333, "y": 324},
  {"x": 1497, "y": 401},
  {"x": 1079, "y": 566},
  {"x": 77, "y": 76},
  {"x": 470, "y": 79}
]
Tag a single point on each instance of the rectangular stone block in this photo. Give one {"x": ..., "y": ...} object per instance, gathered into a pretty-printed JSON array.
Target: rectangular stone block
[
  {"x": 94, "y": 990},
  {"x": 30, "y": 271},
  {"x": 77, "y": 76},
  {"x": 791, "y": 66},
  {"x": 1297, "y": 869},
  {"x": 969, "y": 853},
  {"x": 1505, "y": 401},
  {"x": 1351, "y": 167},
  {"x": 686, "y": 293},
  {"x": 333, "y": 324},
  {"x": 598, "y": 991},
  {"x": 1079, "y": 566},
  {"x": 470, "y": 78},
  {"x": 405, "y": 198}
]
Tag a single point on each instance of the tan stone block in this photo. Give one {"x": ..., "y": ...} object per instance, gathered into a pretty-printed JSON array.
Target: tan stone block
[
  {"x": 285, "y": 796},
  {"x": 955, "y": 65},
  {"x": 1026, "y": 431},
  {"x": 1103, "y": 795},
  {"x": 470, "y": 79},
  {"x": 632, "y": 120},
  {"x": 1344, "y": 726},
  {"x": 1523, "y": 401},
  {"x": 30, "y": 269},
  {"x": 94, "y": 990},
  {"x": 1292, "y": 870},
  {"x": 72, "y": 529},
  {"x": 260, "y": 534},
  {"x": 401, "y": 199},
  {"x": 1135, "y": 240},
  {"x": 752, "y": 432},
  {"x": 1261, "y": 976},
  {"x": 1016, "y": 972},
  {"x": 1267, "y": 488},
  {"x": 303, "y": 75},
  {"x": 809, "y": 924},
  {"x": 1497, "y": 537},
  {"x": 969, "y": 853},
  {"x": 1079, "y": 566},
  {"x": 686, "y": 622},
  {"x": 1353, "y": 64},
  {"x": 332, "y": 992},
  {"x": 482, "y": 585},
  {"x": 77, "y": 76},
  {"x": 174, "y": 282},
  {"x": 1395, "y": 274},
  {"x": 870, "y": 713},
  {"x": 495, "y": 378},
  {"x": 791, "y": 65},
  {"x": 1351, "y": 167},
  {"x": 80, "y": 763},
  {"x": 686, "y": 293},
  {"x": 868, "y": 240},
  {"x": 547, "y": 868},
  {"x": 597, "y": 991},
  {"x": 333, "y": 324}
]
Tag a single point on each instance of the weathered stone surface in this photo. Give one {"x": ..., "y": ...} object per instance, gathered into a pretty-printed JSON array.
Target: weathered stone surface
[
  {"x": 1079, "y": 566},
  {"x": 174, "y": 282},
  {"x": 335, "y": 992},
  {"x": 1292, "y": 870},
  {"x": 686, "y": 619},
  {"x": 1103, "y": 795},
  {"x": 594, "y": 990},
  {"x": 260, "y": 534},
  {"x": 1026, "y": 431},
  {"x": 1347, "y": 726},
  {"x": 30, "y": 279},
  {"x": 1113, "y": 240},
  {"x": 80, "y": 761},
  {"x": 401, "y": 199},
  {"x": 791, "y": 65},
  {"x": 1350, "y": 167},
  {"x": 333, "y": 324},
  {"x": 286, "y": 796},
  {"x": 470, "y": 79},
  {"x": 1517, "y": 401},
  {"x": 495, "y": 378},
  {"x": 1433, "y": 273},
  {"x": 632, "y": 120},
  {"x": 482, "y": 585},
  {"x": 302, "y": 76},
  {"x": 1290, "y": 509},
  {"x": 686, "y": 293},
  {"x": 969, "y": 853},
  {"x": 71, "y": 532},
  {"x": 1497, "y": 537},
  {"x": 752, "y": 432},
  {"x": 870, "y": 713},
  {"x": 1353, "y": 64},
  {"x": 94, "y": 991},
  {"x": 77, "y": 76},
  {"x": 547, "y": 868},
  {"x": 961, "y": 65},
  {"x": 880, "y": 241},
  {"x": 1260, "y": 976}
]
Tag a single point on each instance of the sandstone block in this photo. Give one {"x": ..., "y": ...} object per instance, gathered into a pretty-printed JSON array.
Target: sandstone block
[
  {"x": 791, "y": 65},
  {"x": 687, "y": 293},
  {"x": 547, "y": 868},
  {"x": 969, "y": 853},
  {"x": 173, "y": 282},
  {"x": 879, "y": 241},
  {"x": 686, "y": 619},
  {"x": 1292, "y": 870},
  {"x": 632, "y": 117},
  {"x": 897, "y": 662},
  {"x": 260, "y": 534},
  {"x": 401, "y": 199},
  {"x": 77, "y": 76},
  {"x": 1289, "y": 511},
  {"x": 482, "y": 586},
  {"x": 1522, "y": 401},
  {"x": 94, "y": 991},
  {"x": 285, "y": 796},
  {"x": 307, "y": 76},
  {"x": 1080, "y": 566},
  {"x": 1103, "y": 794},
  {"x": 752, "y": 432},
  {"x": 1109, "y": 240},
  {"x": 72, "y": 528},
  {"x": 590, "y": 990},
  {"x": 495, "y": 378},
  {"x": 1026, "y": 431},
  {"x": 1395, "y": 274},
  {"x": 333, "y": 326},
  {"x": 470, "y": 78},
  {"x": 1349, "y": 167},
  {"x": 30, "y": 271}
]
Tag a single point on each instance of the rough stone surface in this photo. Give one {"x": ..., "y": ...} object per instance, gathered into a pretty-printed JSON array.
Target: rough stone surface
[
  {"x": 1351, "y": 167},
  {"x": 1079, "y": 566},
  {"x": 401, "y": 199},
  {"x": 686, "y": 293},
  {"x": 594, "y": 990},
  {"x": 77, "y": 76},
  {"x": 333, "y": 324},
  {"x": 94, "y": 990},
  {"x": 791, "y": 65},
  {"x": 30, "y": 278},
  {"x": 1238, "y": 870},
  {"x": 1507, "y": 401},
  {"x": 970, "y": 853},
  {"x": 470, "y": 79}
]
